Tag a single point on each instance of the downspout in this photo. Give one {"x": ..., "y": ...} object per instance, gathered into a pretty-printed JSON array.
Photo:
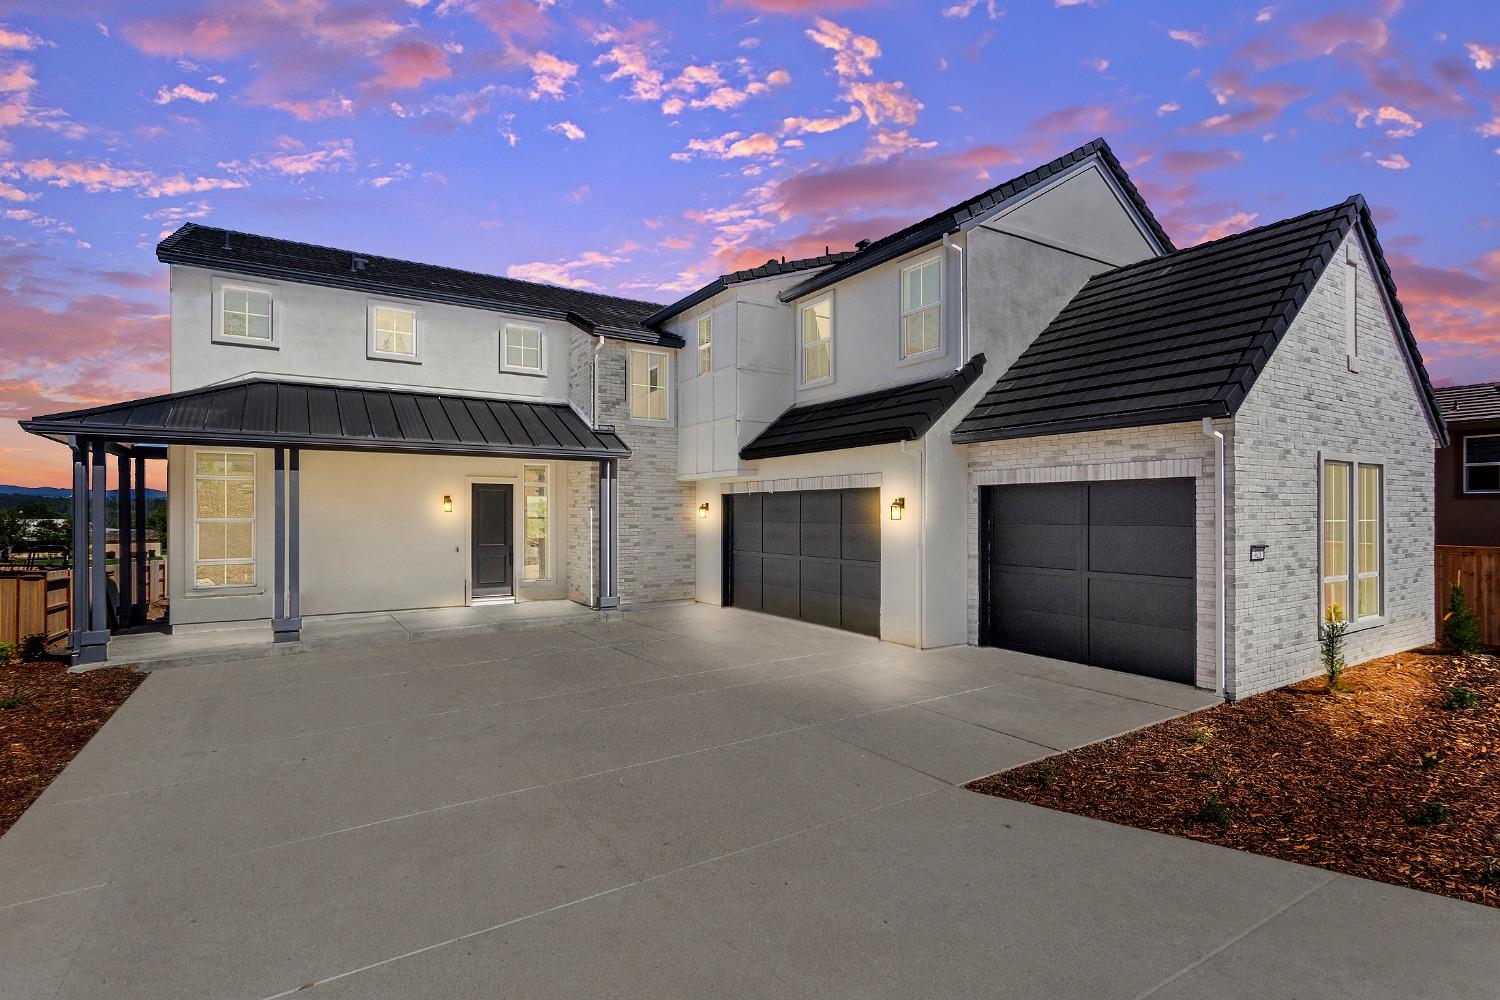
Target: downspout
[
  {"x": 599, "y": 521},
  {"x": 1220, "y": 569},
  {"x": 963, "y": 300},
  {"x": 921, "y": 457}
]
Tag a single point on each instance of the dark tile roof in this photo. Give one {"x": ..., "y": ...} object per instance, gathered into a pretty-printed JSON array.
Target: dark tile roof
[
  {"x": 1469, "y": 402},
  {"x": 267, "y": 413},
  {"x": 901, "y": 413},
  {"x": 769, "y": 269},
  {"x": 932, "y": 228},
  {"x": 1177, "y": 337},
  {"x": 265, "y": 256}
]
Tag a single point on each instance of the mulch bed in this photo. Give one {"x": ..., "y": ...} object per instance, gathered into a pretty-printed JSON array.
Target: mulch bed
[
  {"x": 46, "y": 716},
  {"x": 1379, "y": 781}
]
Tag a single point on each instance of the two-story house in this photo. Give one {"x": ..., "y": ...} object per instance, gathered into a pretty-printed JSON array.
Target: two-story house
[
  {"x": 1468, "y": 469},
  {"x": 1025, "y": 421}
]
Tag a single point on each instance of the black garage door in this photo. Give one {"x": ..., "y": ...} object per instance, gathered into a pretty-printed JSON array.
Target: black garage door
[
  {"x": 813, "y": 555},
  {"x": 1099, "y": 573}
]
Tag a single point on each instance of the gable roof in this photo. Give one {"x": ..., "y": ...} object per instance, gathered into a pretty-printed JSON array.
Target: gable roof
[
  {"x": 1179, "y": 337},
  {"x": 952, "y": 218},
  {"x": 1469, "y": 402},
  {"x": 268, "y": 257},
  {"x": 900, "y": 413},
  {"x": 769, "y": 269}
]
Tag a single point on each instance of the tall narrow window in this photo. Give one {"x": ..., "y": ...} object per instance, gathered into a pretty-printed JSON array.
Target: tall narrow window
[
  {"x": 223, "y": 519},
  {"x": 1353, "y": 540},
  {"x": 648, "y": 384},
  {"x": 1482, "y": 463},
  {"x": 705, "y": 344},
  {"x": 393, "y": 333},
  {"x": 921, "y": 308},
  {"x": 247, "y": 313},
  {"x": 521, "y": 348},
  {"x": 817, "y": 341},
  {"x": 1336, "y": 539},
  {"x": 1367, "y": 567},
  {"x": 534, "y": 560}
]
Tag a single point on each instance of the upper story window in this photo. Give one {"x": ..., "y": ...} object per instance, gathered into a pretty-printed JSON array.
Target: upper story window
[
  {"x": 705, "y": 344},
  {"x": 521, "y": 348},
  {"x": 1353, "y": 541},
  {"x": 1482, "y": 463},
  {"x": 922, "y": 308},
  {"x": 393, "y": 333},
  {"x": 817, "y": 342},
  {"x": 648, "y": 381},
  {"x": 243, "y": 313}
]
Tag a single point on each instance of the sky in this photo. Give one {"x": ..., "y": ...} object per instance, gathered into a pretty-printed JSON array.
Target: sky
[{"x": 641, "y": 149}]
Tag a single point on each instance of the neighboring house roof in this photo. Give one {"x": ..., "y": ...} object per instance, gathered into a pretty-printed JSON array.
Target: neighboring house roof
[
  {"x": 770, "y": 269},
  {"x": 1178, "y": 337},
  {"x": 900, "y": 413},
  {"x": 951, "y": 219},
  {"x": 264, "y": 256},
  {"x": 1470, "y": 402},
  {"x": 270, "y": 413}
]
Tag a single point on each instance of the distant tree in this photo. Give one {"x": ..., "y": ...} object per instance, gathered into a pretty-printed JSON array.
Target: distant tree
[{"x": 156, "y": 520}]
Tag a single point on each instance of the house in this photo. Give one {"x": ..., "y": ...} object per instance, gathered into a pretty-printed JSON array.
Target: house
[
  {"x": 1468, "y": 468},
  {"x": 1026, "y": 421}
]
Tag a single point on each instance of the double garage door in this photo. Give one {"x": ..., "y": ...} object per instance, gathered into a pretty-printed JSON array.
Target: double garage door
[
  {"x": 813, "y": 555},
  {"x": 1100, "y": 573}
]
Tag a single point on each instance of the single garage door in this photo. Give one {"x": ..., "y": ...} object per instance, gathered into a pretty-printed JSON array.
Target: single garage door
[
  {"x": 1100, "y": 573},
  {"x": 812, "y": 555}
]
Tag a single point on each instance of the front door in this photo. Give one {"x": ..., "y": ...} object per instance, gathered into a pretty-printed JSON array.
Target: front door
[{"x": 492, "y": 539}]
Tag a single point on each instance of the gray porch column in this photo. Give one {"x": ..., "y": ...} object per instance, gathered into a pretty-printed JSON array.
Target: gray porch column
[
  {"x": 142, "y": 554},
  {"x": 609, "y": 528},
  {"x": 79, "y": 577},
  {"x": 94, "y": 646},
  {"x": 286, "y": 627},
  {"x": 125, "y": 569}
]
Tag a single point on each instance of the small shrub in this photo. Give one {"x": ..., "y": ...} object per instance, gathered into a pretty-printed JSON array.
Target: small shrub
[
  {"x": 7, "y": 653},
  {"x": 1201, "y": 734},
  {"x": 1460, "y": 628},
  {"x": 17, "y": 697},
  {"x": 1459, "y": 698},
  {"x": 1214, "y": 811},
  {"x": 34, "y": 646},
  {"x": 1432, "y": 813},
  {"x": 1046, "y": 774},
  {"x": 1331, "y": 644},
  {"x": 1431, "y": 759},
  {"x": 1489, "y": 874}
]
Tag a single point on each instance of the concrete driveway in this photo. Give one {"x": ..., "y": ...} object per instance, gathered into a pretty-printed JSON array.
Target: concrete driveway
[{"x": 691, "y": 802}]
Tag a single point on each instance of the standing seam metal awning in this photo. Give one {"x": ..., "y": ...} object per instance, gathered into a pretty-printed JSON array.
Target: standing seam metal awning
[{"x": 271, "y": 413}]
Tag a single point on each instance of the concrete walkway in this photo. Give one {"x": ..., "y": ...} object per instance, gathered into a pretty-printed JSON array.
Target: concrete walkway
[{"x": 689, "y": 802}]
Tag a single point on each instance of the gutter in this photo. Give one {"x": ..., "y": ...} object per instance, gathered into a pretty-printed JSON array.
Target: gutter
[{"x": 1221, "y": 627}]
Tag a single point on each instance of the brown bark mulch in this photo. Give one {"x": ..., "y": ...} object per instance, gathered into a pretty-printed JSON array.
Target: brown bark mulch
[
  {"x": 46, "y": 716},
  {"x": 1379, "y": 780}
]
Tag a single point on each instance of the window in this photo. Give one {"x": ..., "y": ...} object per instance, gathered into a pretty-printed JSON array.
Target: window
[
  {"x": 223, "y": 519},
  {"x": 521, "y": 348},
  {"x": 393, "y": 333},
  {"x": 1482, "y": 463},
  {"x": 921, "y": 308},
  {"x": 648, "y": 384},
  {"x": 244, "y": 315},
  {"x": 534, "y": 558},
  {"x": 817, "y": 342},
  {"x": 1353, "y": 540},
  {"x": 705, "y": 344}
]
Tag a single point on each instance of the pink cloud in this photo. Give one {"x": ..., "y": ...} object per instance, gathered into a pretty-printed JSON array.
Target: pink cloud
[
  {"x": 1093, "y": 119},
  {"x": 410, "y": 64},
  {"x": 550, "y": 75},
  {"x": 1187, "y": 161},
  {"x": 901, "y": 182},
  {"x": 1454, "y": 312},
  {"x": 1266, "y": 102},
  {"x": 95, "y": 176}
]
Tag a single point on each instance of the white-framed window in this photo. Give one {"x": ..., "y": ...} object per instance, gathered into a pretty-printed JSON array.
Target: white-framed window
[
  {"x": 816, "y": 335},
  {"x": 244, "y": 313},
  {"x": 922, "y": 308},
  {"x": 705, "y": 344},
  {"x": 521, "y": 349},
  {"x": 649, "y": 380},
  {"x": 393, "y": 332},
  {"x": 1482, "y": 463},
  {"x": 1352, "y": 539},
  {"x": 223, "y": 519},
  {"x": 536, "y": 524}
]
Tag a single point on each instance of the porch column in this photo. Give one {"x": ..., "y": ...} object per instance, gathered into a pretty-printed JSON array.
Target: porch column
[
  {"x": 286, "y": 627},
  {"x": 609, "y": 527},
  {"x": 79, "y": 577},
  {"x": 95, "y": 641},
  {"x": 142, "y": 586},
  {"x": 125, "y": 570}
]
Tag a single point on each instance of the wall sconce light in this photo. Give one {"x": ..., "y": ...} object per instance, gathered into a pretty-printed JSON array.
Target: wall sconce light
[
  {"x": 703, "y": 509},
  {"x": 898, "y": 508},
  {"x": 447, "y": 504}
]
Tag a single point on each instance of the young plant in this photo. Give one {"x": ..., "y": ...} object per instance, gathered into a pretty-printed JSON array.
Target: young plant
[
  {"x": 34, "y": 646},
  {"x": 1431, "y": 759},
  {"x": 7, "y": 653},
  {"x": 1461, "y": 633},
  {"x": 1432, "y": 813},
  {"x": 17, "y": 697},
  {"x": 1489, "y": 874},
  {"x": 1215, "y": 811},
  {"x": 1046, "y": 774},
  {"x": 1201, "y": 734},
  {"x": 1331, "y": 645},
  {"x": 1459, "y": 698}
]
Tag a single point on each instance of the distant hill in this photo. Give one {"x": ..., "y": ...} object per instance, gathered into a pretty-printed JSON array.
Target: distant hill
[
  {"x": 62, "y": 491},
  {"x": 55, "y": 501}
]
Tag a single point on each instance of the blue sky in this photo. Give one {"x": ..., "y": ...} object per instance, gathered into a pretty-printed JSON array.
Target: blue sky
[{"x": 643, "y": 148}]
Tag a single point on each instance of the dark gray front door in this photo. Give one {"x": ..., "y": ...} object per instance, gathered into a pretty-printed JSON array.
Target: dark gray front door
[
  {"x": 491, "y": 540},
  {"x": 1100, "y": 573},
  {"x": 813, "y": 555}
]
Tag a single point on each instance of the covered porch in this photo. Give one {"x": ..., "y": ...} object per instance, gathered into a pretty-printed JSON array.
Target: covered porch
[{"x": 348, "y": 470}]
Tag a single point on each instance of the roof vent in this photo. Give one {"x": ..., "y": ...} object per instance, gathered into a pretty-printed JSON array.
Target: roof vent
[
  {"x": 226, "y": 240},
  {"x": 357, "y": 264},
  {"x": 861, "y": 244}
]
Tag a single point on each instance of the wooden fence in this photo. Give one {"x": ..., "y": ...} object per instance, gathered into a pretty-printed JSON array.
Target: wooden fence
[
  {"x": 40, "y": 600},
  {"x": 1477, "y": 568}
]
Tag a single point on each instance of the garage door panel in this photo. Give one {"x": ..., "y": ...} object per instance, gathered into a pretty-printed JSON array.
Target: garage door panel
[
  {"x": 860, "y": 542},
  {"x": 1036, "y": 591},
  {"x": 819, "y": 507},
  {"x": 747, "y": 523},
  {"x": 1041, "y": 632},
  {"x": 1141, "y": 602},
  {"x": 860, "y": 506},
  {"x": 1141, "y": 501},
  {"x": 821, "y": 540},
  {"x": 1143, "y": 649},
  {"x": 746, "y": 580},
  {"x": 1042, "y": 546},
  {"x": 861, "y": 616},
  {"x": 1048, "y": 503},
  {"x": 820, "y": 576},
  {"x": 780, "y": 537},
  {"x": 1142, "y": 550},
  {"x": 820, "y": 608},
  {"x": 860, "y": 581}
]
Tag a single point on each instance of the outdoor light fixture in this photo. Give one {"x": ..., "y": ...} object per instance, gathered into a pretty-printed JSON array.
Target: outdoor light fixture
[
  {"x": 447, "y": 504},
  {"x": 898, "y": 507},
  {"x": 703, "y": 509}
]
